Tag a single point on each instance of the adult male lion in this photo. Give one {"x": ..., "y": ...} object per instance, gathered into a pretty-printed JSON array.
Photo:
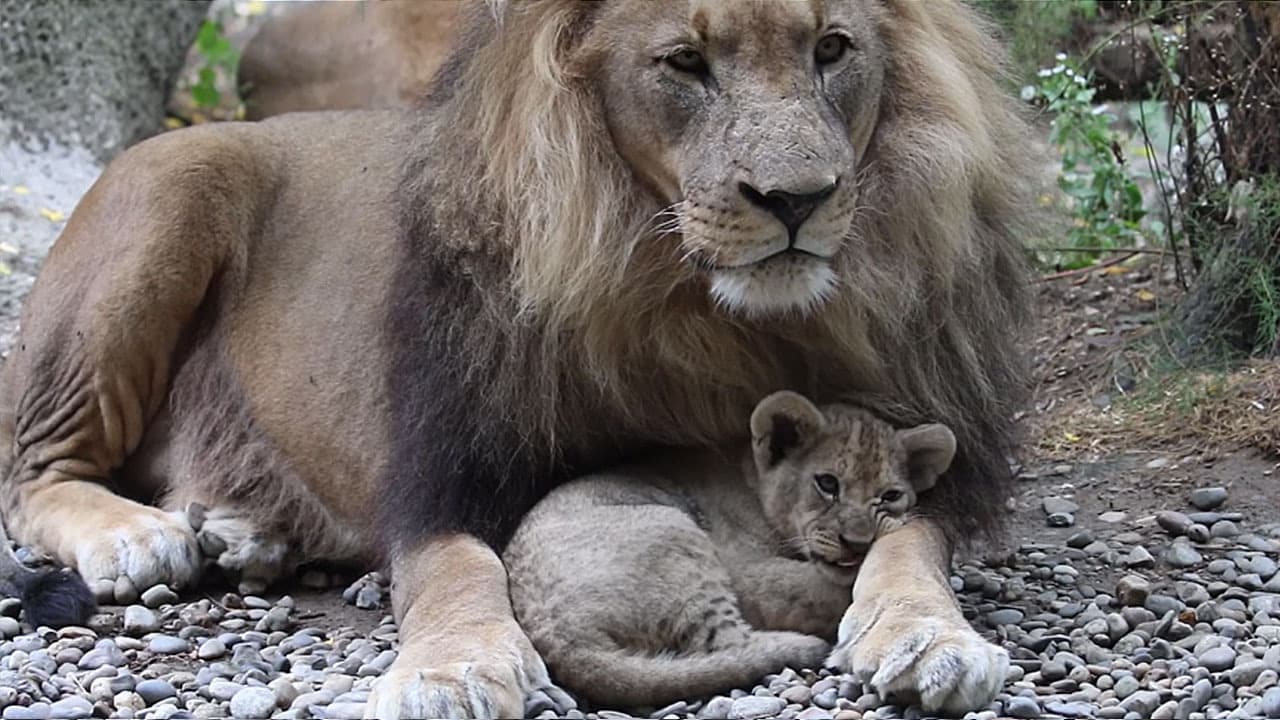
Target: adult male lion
[{"x": 612, "y": 226}]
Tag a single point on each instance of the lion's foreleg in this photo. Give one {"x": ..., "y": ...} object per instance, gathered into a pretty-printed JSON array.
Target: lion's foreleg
[
  {"x": 462, "y": 654},
  {"x": 905, "y": 635}
]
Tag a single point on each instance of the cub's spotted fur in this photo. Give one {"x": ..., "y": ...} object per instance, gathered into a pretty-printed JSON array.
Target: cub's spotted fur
[{"x": 677, "y": 578}]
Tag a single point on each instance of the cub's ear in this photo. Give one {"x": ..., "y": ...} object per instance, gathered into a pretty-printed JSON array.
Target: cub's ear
[
  {"x": 930, "y": 450},
  {"x": 782, "y": 422}
]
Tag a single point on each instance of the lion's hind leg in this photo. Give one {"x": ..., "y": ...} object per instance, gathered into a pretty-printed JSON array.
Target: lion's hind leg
[{"x": 119, "y": 293}]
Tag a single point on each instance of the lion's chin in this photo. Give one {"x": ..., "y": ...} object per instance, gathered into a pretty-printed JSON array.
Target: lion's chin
[{"x": 789, "y": 284}]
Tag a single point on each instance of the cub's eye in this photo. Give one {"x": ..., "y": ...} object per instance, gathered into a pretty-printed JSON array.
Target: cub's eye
[
  {"x": 828, "y": 485},
  {"x": 688, "y": 60},
  {"x": 830, "y": 49},
  {"x": 890, "y": 496}
]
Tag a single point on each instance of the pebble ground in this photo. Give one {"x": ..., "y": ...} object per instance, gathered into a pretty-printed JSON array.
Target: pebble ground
[{"x": 1186, "y": 627}]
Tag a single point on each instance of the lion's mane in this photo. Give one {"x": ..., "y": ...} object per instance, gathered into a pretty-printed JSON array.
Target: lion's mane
[{"x": 573, "y": 317}]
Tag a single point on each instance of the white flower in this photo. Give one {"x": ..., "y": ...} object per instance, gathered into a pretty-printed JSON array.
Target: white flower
[
  {"x": 1028, "y": 93},
  {"x": 1060, "y": 57}
]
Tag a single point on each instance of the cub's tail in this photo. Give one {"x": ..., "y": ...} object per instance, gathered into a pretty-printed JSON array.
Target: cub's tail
[
  {"x": 55, "y": 597},
  {"x": 627, "y": 678}
]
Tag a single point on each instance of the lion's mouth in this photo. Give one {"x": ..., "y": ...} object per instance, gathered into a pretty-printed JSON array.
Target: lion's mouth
[{"x": 791, "y": 252}]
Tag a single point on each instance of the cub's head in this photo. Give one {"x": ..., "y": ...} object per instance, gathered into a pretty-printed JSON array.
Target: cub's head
[{"x": 833, "y": 479}]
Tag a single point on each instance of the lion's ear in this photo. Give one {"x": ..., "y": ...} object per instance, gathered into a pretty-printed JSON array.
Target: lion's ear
[
  {"x": 782, "y": 422},
  {"x": 930, "y": 450}
]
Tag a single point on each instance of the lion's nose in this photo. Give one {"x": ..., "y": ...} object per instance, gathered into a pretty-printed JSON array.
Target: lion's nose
[{"x": 791, "y": 209}]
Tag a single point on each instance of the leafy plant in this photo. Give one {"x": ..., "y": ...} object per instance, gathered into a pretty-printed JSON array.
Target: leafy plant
[
  {"x": 213, "y": 46},
  {"x": 1105, "y": 201}
]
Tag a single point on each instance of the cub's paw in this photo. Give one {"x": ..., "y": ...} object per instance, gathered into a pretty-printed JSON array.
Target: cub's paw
[
  {"x": 457, "y": 690},
  {"x": 145, "y": 547},
  {"x": 939, "y": 662}
]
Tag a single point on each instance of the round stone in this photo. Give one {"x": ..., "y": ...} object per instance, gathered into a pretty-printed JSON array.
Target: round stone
[
  {"x": 1020, "y": 706},
  {"x": 1004, "y": 616},
  {"x": 71, "y": 708},
  {"x": 1209, "y": 498},
  {"x": 139, "y": 621},
  {"x": 754, "y": 707},
  {"x": 153, "y": 691},
  {"x": 1181, "y": 554},
  {"x": 158, "y": 595},
  {"x": 256, "y": 703},
  {"x": 1217, "y": 659},
  {"x": 211, "y": 649},
  {"x": 168, "y": 645}
]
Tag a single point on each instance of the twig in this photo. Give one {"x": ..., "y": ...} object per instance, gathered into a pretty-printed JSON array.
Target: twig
[
  {"x": 1084, "y": 249},
  {"x": 1081, "y": 271}
]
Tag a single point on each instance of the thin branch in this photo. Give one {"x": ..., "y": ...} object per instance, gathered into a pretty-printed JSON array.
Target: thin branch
[
  {"x": 1085, "y": 270},
  {"x": 1082, "y": 249}
]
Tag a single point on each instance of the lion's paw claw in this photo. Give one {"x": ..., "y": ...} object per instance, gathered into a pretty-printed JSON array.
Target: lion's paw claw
[
  {"x": 944, "y": 666},
  {"x": 459, "y": 690},
  {"x": 147, "y": 548}
]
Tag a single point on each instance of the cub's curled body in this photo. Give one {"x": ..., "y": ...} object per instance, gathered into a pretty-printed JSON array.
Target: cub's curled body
[{"x": 703, "y": 570}]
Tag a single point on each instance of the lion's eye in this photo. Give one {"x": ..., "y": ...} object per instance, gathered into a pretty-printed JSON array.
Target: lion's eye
[
  {"x": 688, "y": 60},
  {"x": 890, "y": 496},
  {"x": 827, "y": 484},
  {"x": 830, "y": 49}
]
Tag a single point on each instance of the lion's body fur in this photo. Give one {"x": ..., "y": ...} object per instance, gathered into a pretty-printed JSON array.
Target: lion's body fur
[{"x": 443, "y": 313}]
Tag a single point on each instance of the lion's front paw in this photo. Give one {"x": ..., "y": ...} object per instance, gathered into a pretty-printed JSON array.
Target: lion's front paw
[
  {"x": 940, "y": 662},
  {"x": 145, "y": 547},
  {"x": 458, "y": 690}
]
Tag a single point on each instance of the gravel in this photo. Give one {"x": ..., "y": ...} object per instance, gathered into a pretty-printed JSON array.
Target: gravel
[{"x": 1132, "y": 618}]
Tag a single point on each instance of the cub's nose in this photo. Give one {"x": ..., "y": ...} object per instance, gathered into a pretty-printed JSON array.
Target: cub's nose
[
  {"x": 791, "y": 209},
  {"x": 852, "y": 544}
]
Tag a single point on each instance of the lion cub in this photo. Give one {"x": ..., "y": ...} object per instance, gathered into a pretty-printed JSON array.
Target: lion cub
[{"x": 675, "y": 578}]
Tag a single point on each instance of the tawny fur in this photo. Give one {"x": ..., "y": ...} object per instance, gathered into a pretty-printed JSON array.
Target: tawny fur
[
  {"x": 411, "y": 325},
  {"x": 345, "y": 56},
  {"x": 701, "y": 571}
]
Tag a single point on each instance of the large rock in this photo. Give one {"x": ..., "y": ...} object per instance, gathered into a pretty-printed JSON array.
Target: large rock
[{"x": 91, "y": 74}]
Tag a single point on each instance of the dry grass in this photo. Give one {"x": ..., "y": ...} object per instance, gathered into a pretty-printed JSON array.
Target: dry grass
[{"x": 1197, "y": 410}]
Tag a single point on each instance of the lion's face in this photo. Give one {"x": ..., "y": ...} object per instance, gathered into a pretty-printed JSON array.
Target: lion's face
[{"x": 750, "y": 120}]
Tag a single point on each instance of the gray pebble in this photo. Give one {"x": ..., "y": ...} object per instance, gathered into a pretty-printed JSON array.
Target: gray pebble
[
  {"x": 1054, "y": 505},
  {"x": 1173, "y": 522},
  {"x": 717, "y": 708},
  {"x": 1004, "y": 616},
  {"x": 1126, "y": 686},
  {"x": 153, "y": 691},
  {"x": 35, "y": 711},
  {"x": 344, "y": 711},
  {"x": 139, "y": 621},
  {"x": 1245, "y": 673},
  {"x": 1139, "y": 557},
  {"x": 1224, "y": 529},
  {"x": 9, "y": 627},
  {"x": 1022, "y": 707},
  {"x": 1062, "y": 520},
  {"x": 1181, "y": 554},
  {"x": 754, "y": 707},
  {"x": 168, "y": 645},
  {"x": 1271, "y": 703},
  {"x": 104, "y": 652},
  {"x": 211, "y": 649},
  {"x": 71, "y": 708},
  {"x": 255, "y": 703},
  {"x": 1217, "y": 659},
  {"x": 1209, "y": 498},
  {"x": 1143, "y": 702},
  {"x": 157, "y": 595}
]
